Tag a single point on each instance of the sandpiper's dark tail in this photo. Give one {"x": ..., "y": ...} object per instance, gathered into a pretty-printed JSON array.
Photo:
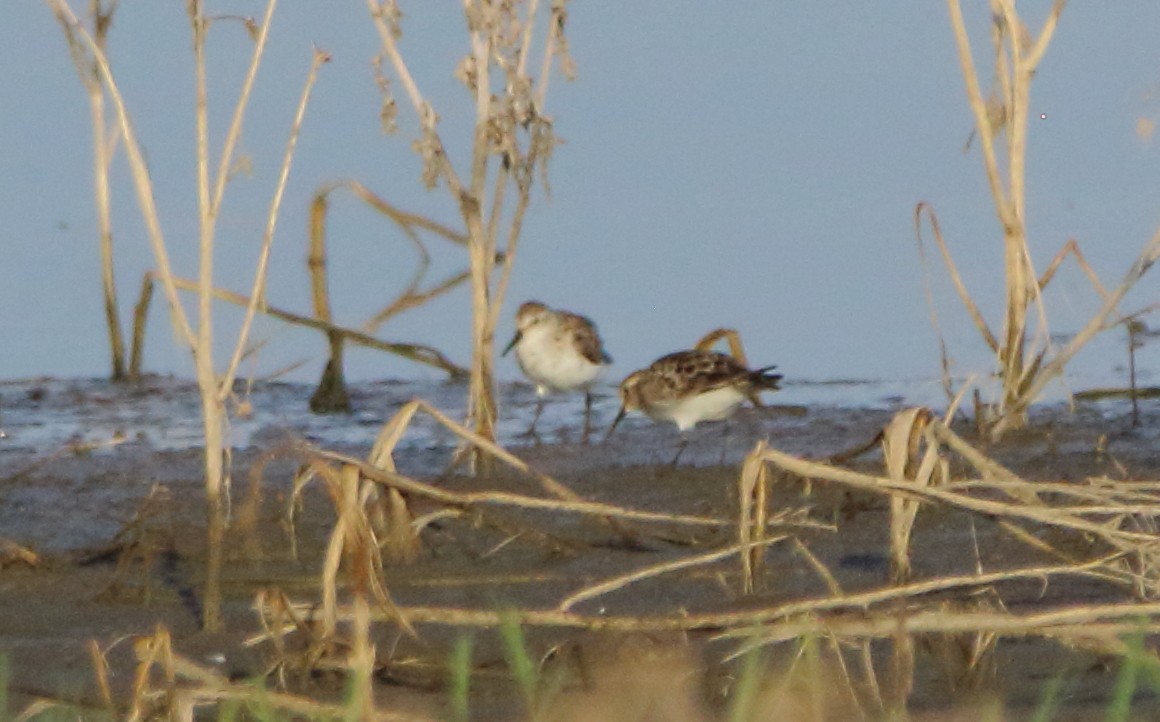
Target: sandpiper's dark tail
[{"x": 762, "y": 379}]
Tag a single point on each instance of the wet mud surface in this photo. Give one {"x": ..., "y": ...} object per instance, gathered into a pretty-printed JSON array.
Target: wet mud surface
[{"x": 118, "y": 533}]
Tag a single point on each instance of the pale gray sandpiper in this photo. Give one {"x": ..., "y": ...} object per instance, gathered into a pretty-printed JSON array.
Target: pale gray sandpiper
[
  {"x": 558, "y": 351},
  {"x": 691, "y": 386}
]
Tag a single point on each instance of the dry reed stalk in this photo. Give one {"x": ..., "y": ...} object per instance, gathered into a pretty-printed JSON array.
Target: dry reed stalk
[
  {"x": 409, "y": 224},
  {"x": 1025, "y": 368},
  {"x": 1034, "y": 386},
  {"x": 742, "y": 623},
  {"x": 753, "y": 501},
  {"x": 104, "y": 146},
  {"x": 140, "y": 318},
  {"x": 214, "y": 389},
  {"x": 967, "y": 657},
  {"x": 1018, "y": 54},
  {"x": 12, "y": 553},
  {"x": 473, "y": 500},
  {"x": 509, "y": 124},
  {"x": 822, "y": 570}
]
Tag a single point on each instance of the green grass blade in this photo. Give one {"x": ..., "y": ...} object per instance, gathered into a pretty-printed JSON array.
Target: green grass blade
[
  {"x": 748, "y": 683},
  {"x": 1125, "y": 688},
  {"x": 521, "y": 665},
  {"x": 4, "y": 681},
  {"x": 1049, "y": 704},
  {"x": 460, "y": 672}
]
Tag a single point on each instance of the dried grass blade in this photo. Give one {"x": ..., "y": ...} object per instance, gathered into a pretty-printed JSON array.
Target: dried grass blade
[
  {"x": 654, "y": 570},
  {"x": 382, "y": 453}
]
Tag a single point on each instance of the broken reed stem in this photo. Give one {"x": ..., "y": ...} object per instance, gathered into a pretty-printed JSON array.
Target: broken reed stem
[
  {"x": 415, "y": 352},
  {"x": 752, "y": 495},
  {"x": 361, "y": 701},
  {"x": 140, "y": 319}
]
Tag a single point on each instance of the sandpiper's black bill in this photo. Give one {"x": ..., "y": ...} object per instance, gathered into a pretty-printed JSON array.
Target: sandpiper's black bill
[
  {"x": 512, "y": 343},
  {"x": 615, "y": 421}
]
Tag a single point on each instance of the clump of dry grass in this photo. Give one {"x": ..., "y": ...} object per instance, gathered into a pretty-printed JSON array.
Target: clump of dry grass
[
  {"x": 210, "y": 187},
  {"x": 512, "y": 141},
  {"x": 1026, "y": 358},
  {"x": 959, "y": 619}
]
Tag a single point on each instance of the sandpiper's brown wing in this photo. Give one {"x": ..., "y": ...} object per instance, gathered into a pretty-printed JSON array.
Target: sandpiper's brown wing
[
  {"x": 586, "y": 337},
  {"x": 694, "y": 372}
]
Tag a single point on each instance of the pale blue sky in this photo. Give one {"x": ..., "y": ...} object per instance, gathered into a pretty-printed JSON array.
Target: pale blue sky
[{"x": 748, "y": 164}]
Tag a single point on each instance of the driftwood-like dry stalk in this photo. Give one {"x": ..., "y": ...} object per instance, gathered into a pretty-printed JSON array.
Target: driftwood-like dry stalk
[{"x": 331, "y": 395}]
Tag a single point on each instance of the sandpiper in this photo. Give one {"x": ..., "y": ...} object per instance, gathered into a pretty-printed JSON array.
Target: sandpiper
[
  {"x": 691, "y": 386},
  {"x": 558, "y": 351}
]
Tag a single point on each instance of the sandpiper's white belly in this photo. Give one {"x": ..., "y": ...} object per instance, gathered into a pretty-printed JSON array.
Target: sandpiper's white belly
[
  {"x": 552, "y": 362},
  {"x": 709, "y": 406}
]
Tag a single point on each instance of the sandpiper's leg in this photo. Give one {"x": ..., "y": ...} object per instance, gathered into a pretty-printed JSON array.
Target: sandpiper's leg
[
  {"x": 587, "y": 416},
  {"x": 531, "y": 432},
  {"x": 680, "y": 448}
]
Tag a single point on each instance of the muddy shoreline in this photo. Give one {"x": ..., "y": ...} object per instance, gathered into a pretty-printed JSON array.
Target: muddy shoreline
[{"x": 70, "y": 509}]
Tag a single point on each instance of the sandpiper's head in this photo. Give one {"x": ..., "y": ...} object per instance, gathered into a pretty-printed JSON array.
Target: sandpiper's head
[
  {"x": 630, "y": 391},
  {"x": 630, "y": 397},
  {"x": 529, "y": 314}
]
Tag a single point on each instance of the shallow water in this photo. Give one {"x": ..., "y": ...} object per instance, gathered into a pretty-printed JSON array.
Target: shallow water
[{"x": 163, "y": 413}]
